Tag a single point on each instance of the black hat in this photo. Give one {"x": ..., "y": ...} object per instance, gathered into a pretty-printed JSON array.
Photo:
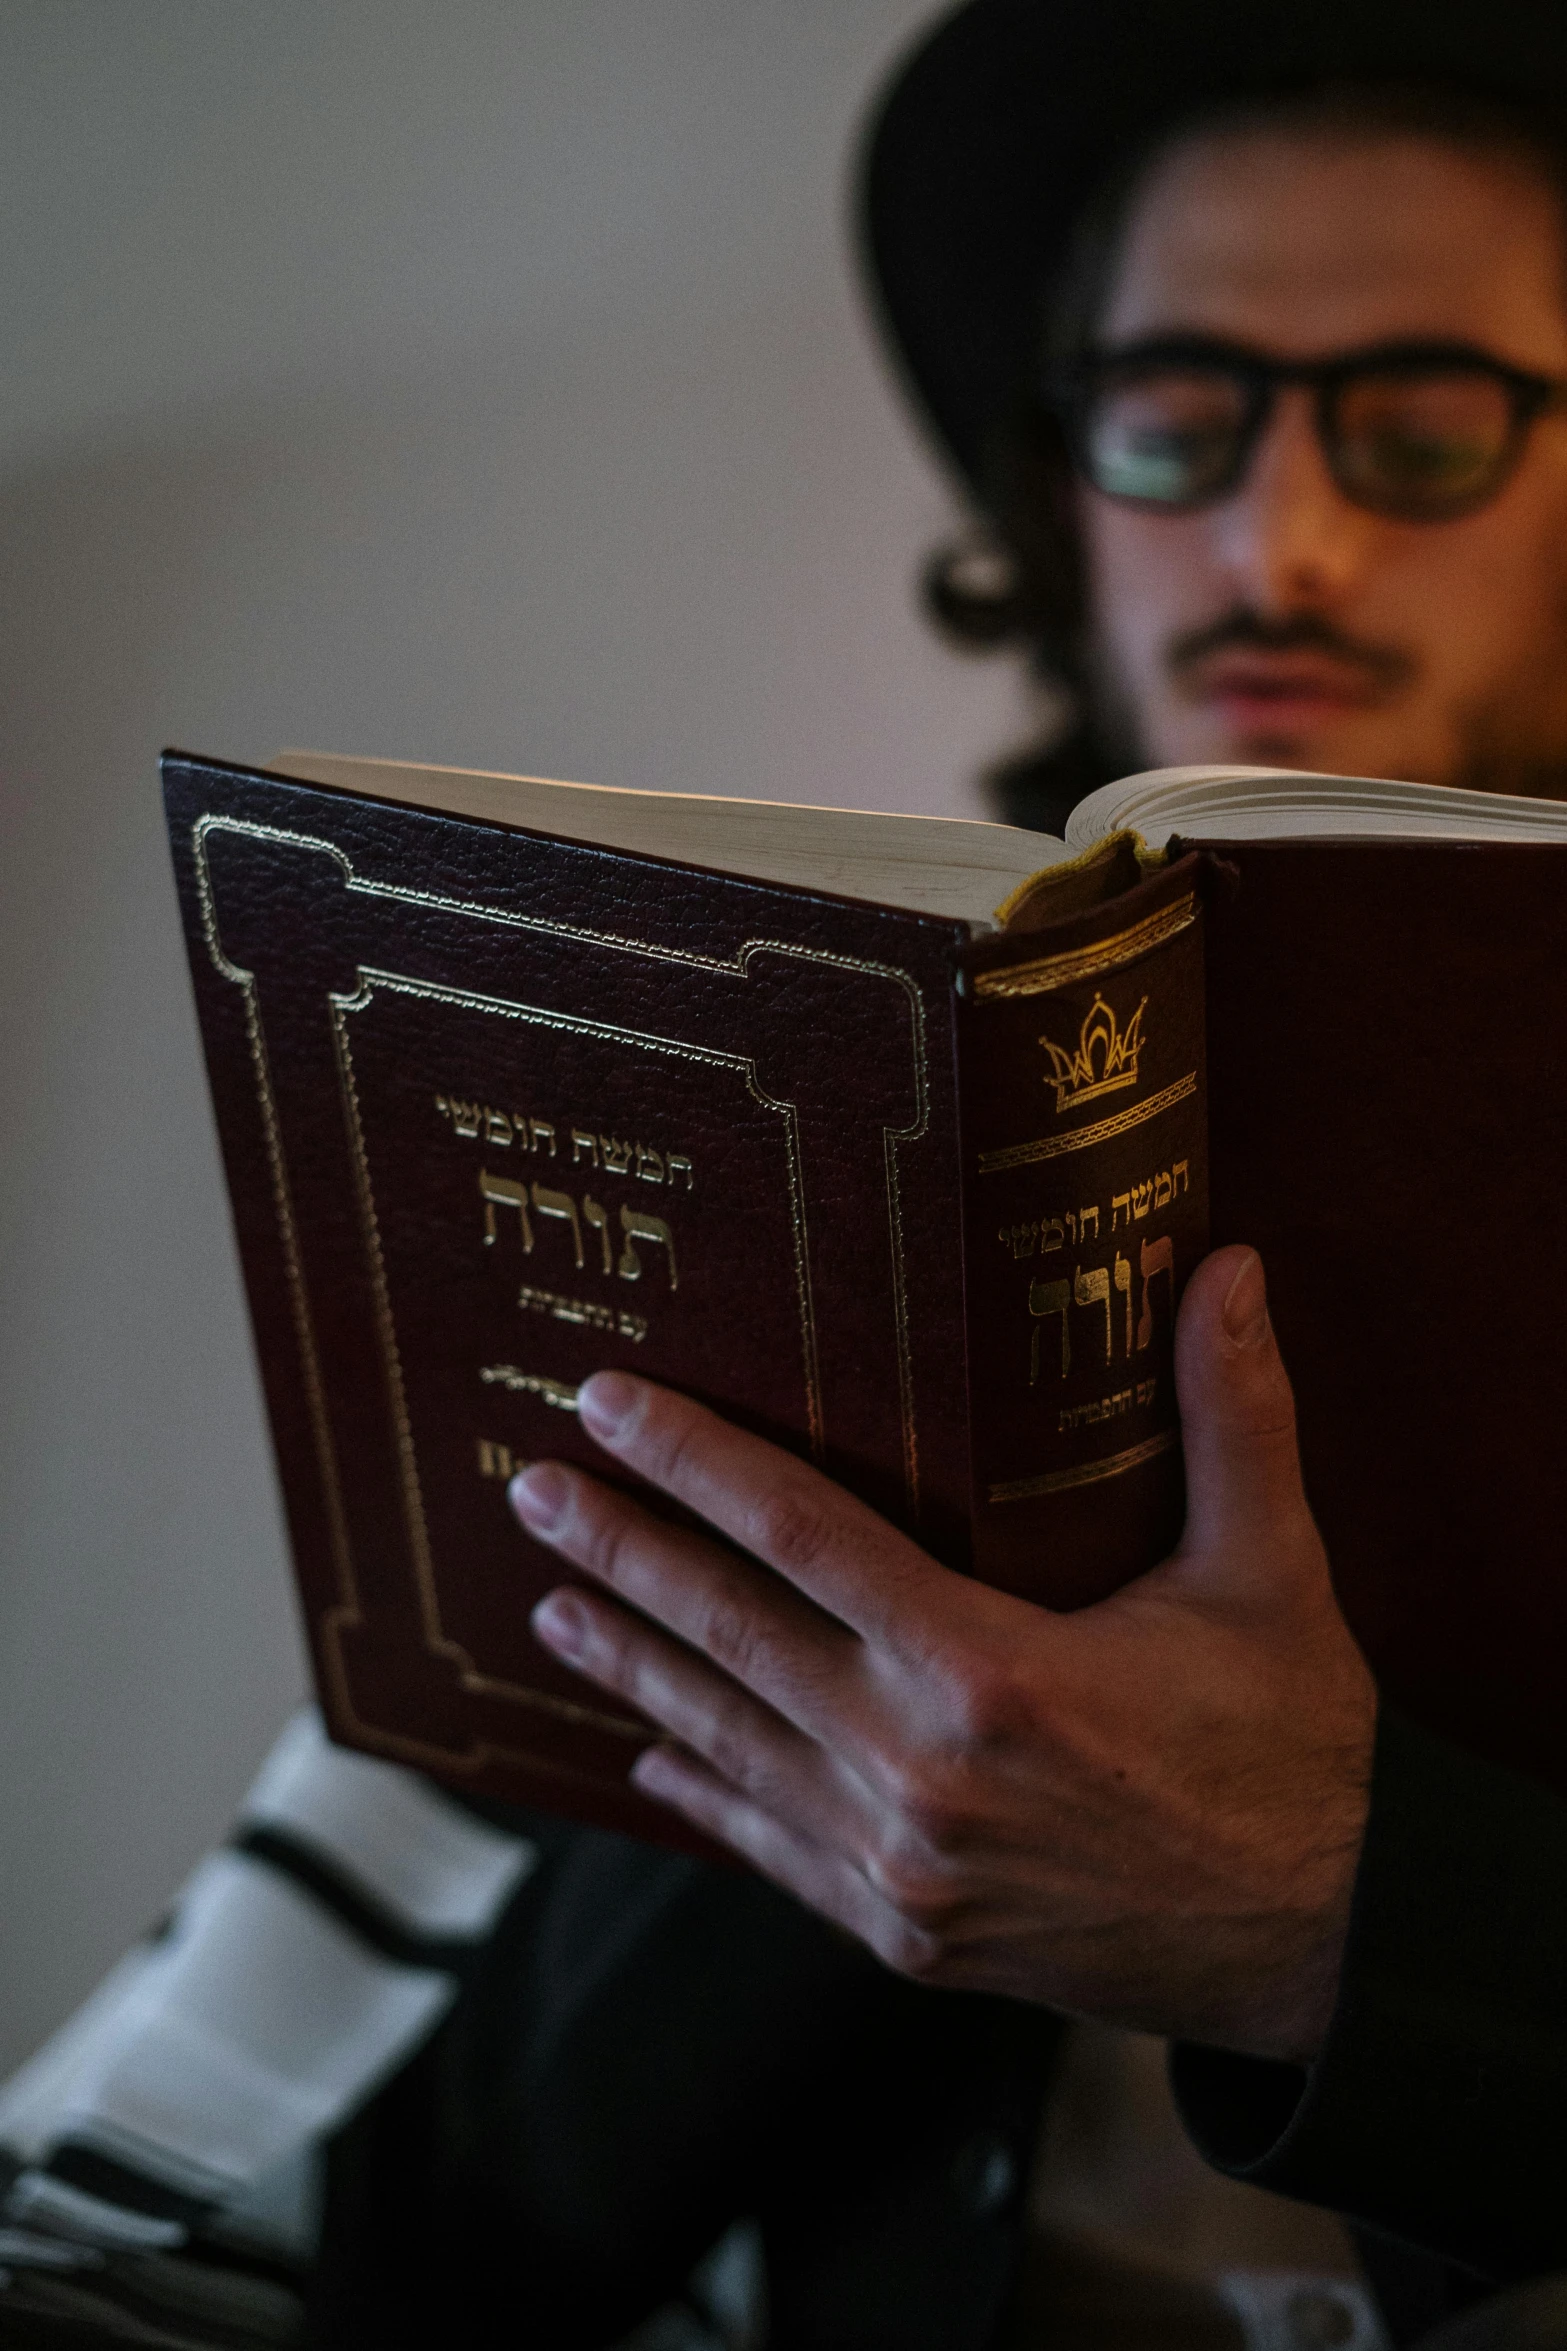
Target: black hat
[{"x": 1010, "y": 113}]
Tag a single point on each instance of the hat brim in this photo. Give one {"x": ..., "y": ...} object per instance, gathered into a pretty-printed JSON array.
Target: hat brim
[{"x": 1002, "y": 122}]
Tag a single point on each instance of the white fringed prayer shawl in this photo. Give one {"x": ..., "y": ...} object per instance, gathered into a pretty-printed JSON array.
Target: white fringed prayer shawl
[{"x": 303, "y": 1963}]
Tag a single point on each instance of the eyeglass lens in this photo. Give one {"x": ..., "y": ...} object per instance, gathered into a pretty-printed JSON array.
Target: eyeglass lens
[
  {"x": 1171, "y": 437},
  {"x": 1423, "y": 444}
]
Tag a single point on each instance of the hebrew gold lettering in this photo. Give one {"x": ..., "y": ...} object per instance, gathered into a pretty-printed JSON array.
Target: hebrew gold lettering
[
  {"x": 1152, "y": 1193},
  {"x": 639, "y": 1227},
  {"x": 1078, "y": 1416},
  {"x": 560, "y": 1393},
  {"x": 1123, "y": 1281},
  {"x": 1044, "y": 1300},
  {"x": 503, "y": 1129},
  {"x": 501, "y": 1192},
  {"x": 1154, "y": 1258},
  {"x": 1136, "y": 1398},
  {"x": 591, "y": 1312},
  {"x": 598, "y": 1218},
  {"x": 480, "y": 1121},
  {"x": 497, "y": 1461},
  {"x": 1093, "y": 1289},
  {"x": 562, "y": 1206}
]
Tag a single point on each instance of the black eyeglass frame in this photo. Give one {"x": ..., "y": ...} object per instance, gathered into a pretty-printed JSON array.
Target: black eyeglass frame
[{"x": 1073, "y": 391}]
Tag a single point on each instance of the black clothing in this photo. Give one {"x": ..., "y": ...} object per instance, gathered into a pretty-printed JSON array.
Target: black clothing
[
  {"x": 1437, "y": 2110},
  {"x": 651, "y": 2048}
]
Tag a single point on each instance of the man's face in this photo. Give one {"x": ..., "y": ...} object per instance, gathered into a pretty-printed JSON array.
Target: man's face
[{"x": 1284, "y": 626}]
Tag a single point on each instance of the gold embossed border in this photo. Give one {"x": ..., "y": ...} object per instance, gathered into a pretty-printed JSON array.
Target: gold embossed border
[
  {"x": 349, "y": 1609},
  {"x": 1053, "y": 972},
  {"x": 373, "y": 982},
  {"x": 1085, "y": 1473},
  {"x": 1103, "y": 1130}
]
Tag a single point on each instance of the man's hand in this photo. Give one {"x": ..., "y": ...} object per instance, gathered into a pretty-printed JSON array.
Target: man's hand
[{"x": 1149, "y": 1810}]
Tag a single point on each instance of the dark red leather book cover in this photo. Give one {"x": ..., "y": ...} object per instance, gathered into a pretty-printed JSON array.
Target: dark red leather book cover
[
  {"x": 1386, "y": 1026},
  {"x": 1386, "y": 1121},
  {"x": 497, "y": 1110}
]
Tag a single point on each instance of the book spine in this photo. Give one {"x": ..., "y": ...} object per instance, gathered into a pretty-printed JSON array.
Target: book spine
[{"x": 1083, "y": 1090}]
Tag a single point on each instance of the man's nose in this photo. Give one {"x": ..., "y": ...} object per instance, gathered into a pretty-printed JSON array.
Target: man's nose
[{"x": 1288, "y": 536}]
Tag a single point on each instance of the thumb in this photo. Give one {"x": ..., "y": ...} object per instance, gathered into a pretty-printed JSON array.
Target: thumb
[{"x": 1243, "y": 1485}]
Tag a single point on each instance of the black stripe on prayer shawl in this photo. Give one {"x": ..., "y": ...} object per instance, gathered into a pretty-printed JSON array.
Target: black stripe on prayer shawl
[
  {"x": 77, "y": 2165},
  {"x": 367, "y": 1920}
]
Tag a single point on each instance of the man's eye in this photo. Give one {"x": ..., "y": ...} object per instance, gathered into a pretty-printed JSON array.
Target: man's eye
[
  {"x": 1436, "y": 438},
  {"x": 1162, "y": 442},
  {"x": 1423, "y": 461}
]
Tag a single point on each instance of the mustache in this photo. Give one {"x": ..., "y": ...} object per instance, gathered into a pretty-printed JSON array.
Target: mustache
[{"x": 1242, "y": 629}]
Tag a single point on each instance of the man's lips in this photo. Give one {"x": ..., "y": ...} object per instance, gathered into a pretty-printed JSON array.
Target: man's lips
[{"x": 1255, "y": 685}]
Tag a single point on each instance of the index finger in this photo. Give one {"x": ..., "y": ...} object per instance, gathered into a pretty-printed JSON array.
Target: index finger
[{"x": 829, "y": 1545}]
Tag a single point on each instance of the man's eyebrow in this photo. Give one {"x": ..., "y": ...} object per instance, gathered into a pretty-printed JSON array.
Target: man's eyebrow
[{"x": 1176, "y": 344}]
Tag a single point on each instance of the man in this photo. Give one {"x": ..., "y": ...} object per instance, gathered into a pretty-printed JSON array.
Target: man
[
  {"x": 1309, "y": 362},
  {"x": 1301, "y": 334}
]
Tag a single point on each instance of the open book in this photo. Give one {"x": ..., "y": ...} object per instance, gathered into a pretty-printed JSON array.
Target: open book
[
  {"x": 1281, "y": 803},
  {"x": 943, "y": 865},
  {"x": 896, "y": 1138}
]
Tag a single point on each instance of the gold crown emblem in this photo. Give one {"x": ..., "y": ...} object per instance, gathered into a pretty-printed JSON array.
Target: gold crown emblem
[{"x": 1105, "y": 1060}]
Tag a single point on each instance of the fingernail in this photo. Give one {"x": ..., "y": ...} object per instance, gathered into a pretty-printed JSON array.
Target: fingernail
[
  {"x": 1245, "y": 1309},
  {"x": 561, "y": 1624},
  {"x": 606, "y": 1402},
  {"x": 653, "y": 1772},
  {"x": 538, "y": 1494}
]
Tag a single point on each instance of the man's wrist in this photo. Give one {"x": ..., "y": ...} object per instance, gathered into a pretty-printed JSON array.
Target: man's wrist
[
  {"x": 1283, "y": 2014},
  {"x": 1431, "y": 2109}
]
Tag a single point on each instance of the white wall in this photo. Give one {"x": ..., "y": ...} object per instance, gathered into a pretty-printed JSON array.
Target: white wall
[{"x": 464, "y": 381}]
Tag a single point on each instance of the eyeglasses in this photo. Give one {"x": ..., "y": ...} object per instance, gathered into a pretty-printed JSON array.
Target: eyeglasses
[{"x": 1423, "y": 431}]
